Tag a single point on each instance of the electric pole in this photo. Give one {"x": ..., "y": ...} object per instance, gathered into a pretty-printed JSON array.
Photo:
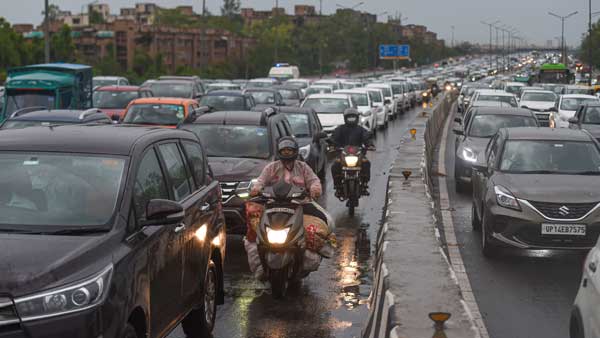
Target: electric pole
[
  {"x": 490, "y": 46},
  {"x": 564, "y": 45},
  {"x": 46, "y": 33}
]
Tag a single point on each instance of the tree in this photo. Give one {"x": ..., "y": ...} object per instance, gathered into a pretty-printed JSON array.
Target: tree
[
  {"x": 230, "y": 8},
  {"x": 62, "y": 46},
  {"x": 95, "y": 17}
]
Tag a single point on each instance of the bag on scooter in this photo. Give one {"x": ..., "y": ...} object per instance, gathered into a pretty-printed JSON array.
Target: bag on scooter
[
  {"x": 254, "y": 213},
  {"x": 311, "y": 261}
]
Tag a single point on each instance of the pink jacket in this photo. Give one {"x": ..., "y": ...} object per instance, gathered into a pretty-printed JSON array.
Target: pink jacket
[{"x": 301, "y": 175}]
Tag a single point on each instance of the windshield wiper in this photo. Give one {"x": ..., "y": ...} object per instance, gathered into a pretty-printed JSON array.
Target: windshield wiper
[
  {"x": 589, "y": 172},
  {"x": 20, "y": 231},
  {"x": 78, "y": 231},
  {"x": 536, "y": 172}
]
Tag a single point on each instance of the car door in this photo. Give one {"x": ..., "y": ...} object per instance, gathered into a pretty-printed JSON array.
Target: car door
[
  {"x": 484, "y": 176},
  {"x": 182, "y": 189},
  {"x": 164, "y": 246},
  {"x": 204, "y": 204},
  {"x": 320, "y": 145}
]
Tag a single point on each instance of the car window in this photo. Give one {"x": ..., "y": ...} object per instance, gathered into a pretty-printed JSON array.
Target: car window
[
  {"x": 196, "y": 160},
  {"x": 233, "y": 140},
  {"x": 149, "y": 183},
  {"x": 592, "y": 115},
  {"x": 487, "y": 125},
  {"x": 179, "y": 177}
]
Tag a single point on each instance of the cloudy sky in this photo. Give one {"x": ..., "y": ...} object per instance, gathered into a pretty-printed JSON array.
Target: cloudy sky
[{"x": 530, "y": 17}]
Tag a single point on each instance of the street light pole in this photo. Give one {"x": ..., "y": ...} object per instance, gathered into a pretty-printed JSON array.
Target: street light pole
[
  {"x": 564, "y": 45},
  {"x": 46, "y": 33},
  {"x": 452, "y": 36},
  {"x": 490, "y": 45}
]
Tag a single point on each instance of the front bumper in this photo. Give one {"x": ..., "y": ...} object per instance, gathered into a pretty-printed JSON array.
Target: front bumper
[
  {"x": 85, "y": 324},
  {"x": 523, "y": 229},
  {"x": 234, "y": 211}
]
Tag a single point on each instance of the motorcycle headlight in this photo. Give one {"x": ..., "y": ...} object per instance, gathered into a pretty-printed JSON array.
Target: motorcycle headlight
[
  {"x": 78, "y": 297},
  {"x": 304, "y": 151},
  {"x": 351, "y": 160},
  {"x": 505, "y": 198},
  {"x": 277, "y": 236},
  {"x": 425, "y": 94},
  {"x": 244, "y": 188},
  {"x": 469, "y": 155}
]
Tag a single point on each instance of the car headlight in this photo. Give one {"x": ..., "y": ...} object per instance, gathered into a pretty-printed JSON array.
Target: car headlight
[
  {"x": 351, "y": 160},
  {"x": 469, "y": 155},
  {"x": 505, "y": 198},
  {"x": 277, "y": 236},
  {"x": 244, "y": 188},
  {"x": 304, "y": 151},
  {"x": 78, "y": 297}
]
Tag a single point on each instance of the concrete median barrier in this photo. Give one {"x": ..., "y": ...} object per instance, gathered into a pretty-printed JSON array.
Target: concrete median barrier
[{"x": 413, "y": 276}]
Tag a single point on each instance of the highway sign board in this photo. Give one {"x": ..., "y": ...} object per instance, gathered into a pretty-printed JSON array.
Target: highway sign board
[{"x": 394, "y": 52}]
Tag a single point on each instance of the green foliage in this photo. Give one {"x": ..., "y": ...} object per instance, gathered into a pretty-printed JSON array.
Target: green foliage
[
  {"x": 95, "y": 17},
  {"x": 595, "y": 41},
  {"x": 230, "y": 8}
]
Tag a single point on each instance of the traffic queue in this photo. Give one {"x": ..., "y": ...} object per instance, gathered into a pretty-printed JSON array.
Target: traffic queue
[
  {"x": 528, "y": 153},
  {"x": 117, "y": 199}
]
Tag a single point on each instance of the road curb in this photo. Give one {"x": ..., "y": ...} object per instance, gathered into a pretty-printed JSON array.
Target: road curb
[{"x": 413, "y": 276}]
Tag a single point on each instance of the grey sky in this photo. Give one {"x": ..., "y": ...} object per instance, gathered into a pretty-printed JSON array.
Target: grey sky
[{"x": 528, "y": 16}]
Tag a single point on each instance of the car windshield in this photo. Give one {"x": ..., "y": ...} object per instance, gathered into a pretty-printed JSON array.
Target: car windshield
[
  {"x": 396, "y": 89},
  {"x": 156, "y": 114},
  {"x": 592, "y": 115},
  {"x": 499, "y": 98},
  {"x": 299, "y": 123},
  {"x": 484, "y": 125},
  {"x": 360, "y": 99},
  {"x": 318, "y": 90},
  {"x": 542, "y": 97},
  {"x": 560, "y": 157},
  {"x": 214, "y": 87},
  {"x": 223, "y": 102},
  {"x": 22, "y": 99},
  {"x": 113, "y": 99},
  {"x": 49, "y": 190},
  {"x": 263, "y": 97},
  {"x": 289, "y": 94},
  {"x": 232, "y": 140},
  {"x": 104, "y": 82},
  {"x": 259, "y": 84},
  {"x": 582, "y": 91},
  {"x": 327, "y": 106},
  {"x": 171, "y": 89},
  {"x": 572, "y": 103},
  {"x": 386, "y": 91},
  {"x": 299, "y": 84},
  {"x": 376, "y": 96},
  {"x": 513, "y": 89}
]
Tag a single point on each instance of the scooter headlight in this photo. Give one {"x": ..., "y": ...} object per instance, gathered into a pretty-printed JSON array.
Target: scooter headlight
[
  {"x": 351, "y": 160},
  {"x": 277, "y": 236}
]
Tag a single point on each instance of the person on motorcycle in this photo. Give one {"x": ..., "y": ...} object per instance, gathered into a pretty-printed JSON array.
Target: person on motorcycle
[
  {"x": 351, "y": 134},
  {"x": 289, "y": 169}
]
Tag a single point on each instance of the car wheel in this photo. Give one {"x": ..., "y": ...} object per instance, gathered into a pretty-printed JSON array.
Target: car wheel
[
  {"x": 575, "y": 325},
  {"x": 129, "y": 332},
  {"x": 488, "y": 248},
  {"x": 475, "y": 221},
  {"x": 200, "y": 322}
]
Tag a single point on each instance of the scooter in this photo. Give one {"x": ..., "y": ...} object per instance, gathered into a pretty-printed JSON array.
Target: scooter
[
  {"x": 351, "y": 189},
  {"x": 281, "y": 237}
]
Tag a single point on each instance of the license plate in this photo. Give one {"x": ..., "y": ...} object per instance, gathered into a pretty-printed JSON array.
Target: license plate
[{"x": 563, "y": 229}]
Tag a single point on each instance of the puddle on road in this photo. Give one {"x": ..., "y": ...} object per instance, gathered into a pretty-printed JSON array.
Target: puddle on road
[{"x": 354, "y": 271}]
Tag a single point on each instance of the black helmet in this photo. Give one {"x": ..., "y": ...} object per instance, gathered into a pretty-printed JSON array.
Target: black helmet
[
  {"x": 287, "y": 142},
  {"x": 351, "y": 116}
]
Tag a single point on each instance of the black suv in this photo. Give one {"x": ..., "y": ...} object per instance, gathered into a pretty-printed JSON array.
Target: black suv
[
  {"x": 41, "y": 116},
  {"x": 108, "y": 231},
  {"x": 239, "y": 144}
]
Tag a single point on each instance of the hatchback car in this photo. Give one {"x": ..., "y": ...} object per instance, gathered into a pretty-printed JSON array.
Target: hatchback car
[
  {"x": 160, "y": 111},
  {"x": 108, "y": 231},
  {"x": 239, "y": 144},
  {"x": 113, "y": 100},
  {"x": 538, "y": 189},
  {"x": 474, "y": 132},
  {"x": 330, "y": 108}
]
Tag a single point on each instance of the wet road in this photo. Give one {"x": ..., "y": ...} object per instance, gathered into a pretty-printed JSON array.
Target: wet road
[
  {"x": 521, "y": 294},
  {"x": 332, "y": 301}
]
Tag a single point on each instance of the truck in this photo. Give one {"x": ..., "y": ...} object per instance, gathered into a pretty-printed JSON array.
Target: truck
[{"x": 52, "y": 85}]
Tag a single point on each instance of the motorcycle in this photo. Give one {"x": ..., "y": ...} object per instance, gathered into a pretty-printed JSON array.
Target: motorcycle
[
  {"x": 351, "y": 190},
  {"x": 281, "y": 237}
]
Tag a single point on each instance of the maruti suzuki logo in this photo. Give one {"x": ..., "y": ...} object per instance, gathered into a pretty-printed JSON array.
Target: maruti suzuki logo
[{"x": 564, "y": 210}]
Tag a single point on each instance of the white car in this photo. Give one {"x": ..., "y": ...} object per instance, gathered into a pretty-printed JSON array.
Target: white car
[
  {"x": 401, "y": 99},
  {"x": 388, "y": 96},
  {"x": 330, "y": 109},
  {"x": 368, "y": 118},
  {"x": 513, "y": 87},
  {"x": 568, "y": 105},
  {"x": 301, "y": 83},
  {"x": 494, "y": 95},
  {"x": 336, "y": 84},
  {"x": 538, "y": 100},
  {"x": 585, "y": 315}
]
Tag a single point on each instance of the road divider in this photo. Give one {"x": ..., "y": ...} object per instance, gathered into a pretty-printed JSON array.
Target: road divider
[{"x": 415, "y": 290}]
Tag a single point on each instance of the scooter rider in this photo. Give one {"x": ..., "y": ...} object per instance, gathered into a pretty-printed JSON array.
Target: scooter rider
[{"x": 351, "y": 134}]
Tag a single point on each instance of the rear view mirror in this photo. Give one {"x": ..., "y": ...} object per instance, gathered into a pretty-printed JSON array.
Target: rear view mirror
[
  {"x": 163, "y": 212},
  {"x": 458, "y": 120},
  {"x": 573, "y": 120}
]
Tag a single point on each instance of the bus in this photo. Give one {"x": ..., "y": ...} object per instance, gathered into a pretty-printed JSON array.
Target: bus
[{"x": 554, "y": 73}]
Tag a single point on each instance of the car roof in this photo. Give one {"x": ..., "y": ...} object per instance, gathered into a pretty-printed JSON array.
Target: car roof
[
  {"x": 519, "y": 84},
  {"x": 113, "y": 88},
  {"x": 578, "y": 96},
  {"x": 327, "y": 96},
  {"x": 238, "y": 117},
  {"x": 270, "y": 90},
  {"x": 295, "y": 110},
  {"x": 486, "y": 103},
  {"x": 61, "y": 115},
  {"x": 494, "y": 92},
  {"x": 163, "y": 100},
  {"x": 107, "y": 77},
  {"x": 361, "y": 90},
  {"x": 545, "y": 133},
  {"x": 502, "y": 111},
  {"x": 83, "y": 138},
  {"x": 538, "y": 91},
  {"x": 224, "y": 93}
]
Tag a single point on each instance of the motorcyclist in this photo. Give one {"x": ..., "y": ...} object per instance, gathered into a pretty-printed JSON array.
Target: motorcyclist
[{"x": 351, "y": 134}]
